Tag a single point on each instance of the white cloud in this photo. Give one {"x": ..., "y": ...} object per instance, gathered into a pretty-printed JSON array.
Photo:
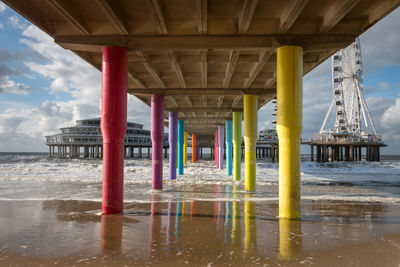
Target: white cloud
[
  {"x": 1, "y": 26},
  {"x": 15, "y": 22},
  {"x": 8, "y": 86},
  {"x": 391, "y": 117},
  {"x": 2, "y": 7}
]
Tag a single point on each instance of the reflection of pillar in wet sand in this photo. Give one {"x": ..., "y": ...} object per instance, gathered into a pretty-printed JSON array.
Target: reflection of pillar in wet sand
[
  {"x": 250, "y": 233},
  {"x": 290, "y": 238},
  {"x": 155, "y": 227},
  {"x": 236, "y": 227},
  {"x": 111, "y": 234}
]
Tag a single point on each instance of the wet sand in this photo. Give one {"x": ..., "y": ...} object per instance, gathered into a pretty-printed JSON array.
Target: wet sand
[{"x": 165, "y": 232}]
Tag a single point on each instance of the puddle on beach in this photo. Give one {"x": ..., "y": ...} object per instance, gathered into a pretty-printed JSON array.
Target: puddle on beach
[{"x": 179, "y": 231}]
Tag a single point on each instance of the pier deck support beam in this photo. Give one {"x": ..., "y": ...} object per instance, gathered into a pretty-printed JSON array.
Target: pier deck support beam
[
  {"x": 250, "y": 140},
  {"x": 157, "y": 139},
  {"x": 289, "y": 126},
  {"x": 113, "y": 126},
  {"x": 237, "y": 144},
  {"x": 221, "y": 147},
  {"x": 194, "y": 148},
  {"x": 181, "y": 145},
  {"x": 228, "y": 141},
  {"x": 173, "y": 139},
  {"x": 185, "y": 142}
]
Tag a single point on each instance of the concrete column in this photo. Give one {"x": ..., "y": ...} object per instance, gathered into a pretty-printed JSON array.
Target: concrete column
[
  {"x": 221, "y": 144},
  {"x": 113, "y": 126},
  {"x": 216, "y": 147},
  {"x": 237, "y": 145},
  {"x": 250, "y": 140},
  {"x": 289, "y": 127},
  {"x": 157, "y": 139},
  {"x": 181, "y": 143},
  {"x": 185, "y": 142},
  {"x": 194, "y": 148},
  {"x": 273, "y": 153},
  {"x": 173, "y": 139},
  {"x": 228, "y": 141}
]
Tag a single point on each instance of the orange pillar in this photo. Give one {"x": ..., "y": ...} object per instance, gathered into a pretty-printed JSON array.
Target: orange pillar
[{"x": 194, "y": 146}]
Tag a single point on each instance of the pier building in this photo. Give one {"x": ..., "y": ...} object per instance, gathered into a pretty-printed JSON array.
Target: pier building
[
  {"x": 85, "y": 140},
  {"x": 208, "y": 62}
]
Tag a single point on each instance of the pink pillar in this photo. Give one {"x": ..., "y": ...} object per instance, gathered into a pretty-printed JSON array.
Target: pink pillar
[
  {"x": 221, "y": 147},
  {"x": 157, "y": 139},
  {"x": 113, "y": 126},
  {"x": 216, "y": 147}
]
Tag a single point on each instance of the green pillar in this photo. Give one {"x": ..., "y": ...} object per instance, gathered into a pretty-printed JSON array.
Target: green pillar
[{"x": 237, "y": 145}]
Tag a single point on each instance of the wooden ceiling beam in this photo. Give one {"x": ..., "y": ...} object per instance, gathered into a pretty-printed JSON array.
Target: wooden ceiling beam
[
  {"x": 335, "y": 12},
  {"x": 289, "y": 15},
  {"x": 264, "y": 57},
  {"x": 155, "y": 11},
  {"x": 70, "y": 14},
  {"x": 136, "y": 80},
  {"x": 203, "y": 109},
  {"x": 202, "y": 91},
  {"x": 246, "y": 15},
  {"x": 145, "y": 61},
  {"x": 204, "y": 69},
  {"x": 172, "y": 101},
  {"x": 176, "y": 67},
  {"x": 248, "y": 42},
  {"x": 114, "y": 14},
  {"x": 201, "y": 14}
]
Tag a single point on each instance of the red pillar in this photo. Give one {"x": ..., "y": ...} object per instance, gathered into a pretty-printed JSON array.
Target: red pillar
[
  {"x": 194, "y": 147},
  {"x": 113, "y": 126}
]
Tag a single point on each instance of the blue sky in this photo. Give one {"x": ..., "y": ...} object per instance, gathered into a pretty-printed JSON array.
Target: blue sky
[{"x": 44, "y": 87}]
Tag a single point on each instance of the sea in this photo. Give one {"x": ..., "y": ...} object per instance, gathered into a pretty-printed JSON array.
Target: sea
[{"x": 36, "y": 177}]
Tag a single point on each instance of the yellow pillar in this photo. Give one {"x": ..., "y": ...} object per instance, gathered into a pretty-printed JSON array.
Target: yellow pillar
[
  {"x": 289, "y": 126},
  {"x": 250, "y": 140},
  {"x": 185, "y": 148}
]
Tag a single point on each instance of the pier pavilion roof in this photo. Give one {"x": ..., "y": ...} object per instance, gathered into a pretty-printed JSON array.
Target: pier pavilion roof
[{"x": 203, "y": 55}]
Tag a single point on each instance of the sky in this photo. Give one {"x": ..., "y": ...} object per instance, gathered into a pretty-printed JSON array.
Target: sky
[{"x": 44, "y": 87}]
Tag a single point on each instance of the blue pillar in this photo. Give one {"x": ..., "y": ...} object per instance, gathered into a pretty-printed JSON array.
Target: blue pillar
[
  {"x": 181, "y": 131},
  {"x": 228, "y": 141}
]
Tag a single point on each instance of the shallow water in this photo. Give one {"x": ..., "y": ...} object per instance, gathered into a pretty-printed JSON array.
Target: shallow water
[{"x": 51, "y": 216}]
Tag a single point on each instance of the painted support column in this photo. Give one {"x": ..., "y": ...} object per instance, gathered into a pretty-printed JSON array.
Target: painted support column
[
  {"x": 289, "y": 126},
  {"x": 250, "y": 140},
  {"x": 228, "y": 143},
  {"x": 173, "y": 139},
  {"x": 216, "y": 147},
  {"x": 113, "y": 126},
  {"x": 185, "y": 140},
  {"x": 221, "y": 147},
  {"x": 194, "y": 148},
  {"x": 237, "y": 144},
  {"x": 181, "y": 145},
  {"x": 157, "y": 139}
]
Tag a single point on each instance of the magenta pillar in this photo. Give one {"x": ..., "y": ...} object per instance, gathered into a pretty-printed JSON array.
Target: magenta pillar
[
  {"x": 157, "y": 139},
  {"x": 173, "y": 139},
  {"x": 113, "y": 126},
  {"x": 216, "y": 147},
  {"x": 221, "y": 147}
]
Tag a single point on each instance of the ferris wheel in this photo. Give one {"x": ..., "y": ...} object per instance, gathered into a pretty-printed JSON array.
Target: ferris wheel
[{"x": 348, "y": 99}]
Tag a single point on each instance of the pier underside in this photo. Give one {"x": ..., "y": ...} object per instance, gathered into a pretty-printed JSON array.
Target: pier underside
[{"x": 204, "y": 60}]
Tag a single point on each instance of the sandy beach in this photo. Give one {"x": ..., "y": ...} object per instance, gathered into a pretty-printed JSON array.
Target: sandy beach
[{"x": 199, "y": 233}]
